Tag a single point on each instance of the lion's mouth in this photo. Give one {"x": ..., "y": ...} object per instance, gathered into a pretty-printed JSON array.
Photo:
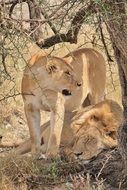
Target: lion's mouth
[{"x": 66, "y": 92}]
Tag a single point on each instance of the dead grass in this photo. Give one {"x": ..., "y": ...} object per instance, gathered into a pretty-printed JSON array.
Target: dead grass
[
  {"x": 16, "y": 170},
  {"x": 23, "y": 172}
]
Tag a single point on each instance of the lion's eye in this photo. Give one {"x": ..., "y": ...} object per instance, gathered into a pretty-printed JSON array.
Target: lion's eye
[
  {"x": 67, "y": 72},
  {"x": 95, "y": 118}
]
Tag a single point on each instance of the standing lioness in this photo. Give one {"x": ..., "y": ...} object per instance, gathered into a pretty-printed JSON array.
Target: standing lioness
[{"x": 44, "y": 77}]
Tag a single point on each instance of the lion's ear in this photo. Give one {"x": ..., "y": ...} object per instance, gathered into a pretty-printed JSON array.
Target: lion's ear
[
  {"x": 51, "y": 67},
  {"x": 68, "y": 59}
]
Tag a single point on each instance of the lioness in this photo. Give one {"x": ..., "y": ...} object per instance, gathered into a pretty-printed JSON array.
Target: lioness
[
  {"x": 44, "y": 77},
  {"x": 86, "y": 132}
]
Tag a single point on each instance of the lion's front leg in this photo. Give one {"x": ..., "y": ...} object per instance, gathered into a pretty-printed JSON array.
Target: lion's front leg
[
  {"x": 33, "y": 120},
  {"x": 56, "y": 126}
]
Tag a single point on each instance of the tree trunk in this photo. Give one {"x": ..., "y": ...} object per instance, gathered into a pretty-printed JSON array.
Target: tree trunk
[{"x": 117, "y": 27}]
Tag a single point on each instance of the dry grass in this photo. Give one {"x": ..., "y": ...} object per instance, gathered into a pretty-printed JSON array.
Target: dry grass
[{"x": 23, "y": 172}]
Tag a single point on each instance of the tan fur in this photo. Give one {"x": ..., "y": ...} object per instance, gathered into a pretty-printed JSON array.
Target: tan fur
[
  {"x": 86, "y": 132},
  {"x": 45, "y": 76},
  {"x": 96, "y": 129}
]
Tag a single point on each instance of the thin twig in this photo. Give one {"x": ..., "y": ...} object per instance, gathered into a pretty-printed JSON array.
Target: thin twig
[
  {"x": 103, "y": 39},
  {"x": 14, "y": 95}
]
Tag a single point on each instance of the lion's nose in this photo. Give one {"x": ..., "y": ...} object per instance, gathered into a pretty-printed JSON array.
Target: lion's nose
[
  {"x": 79, "y": 84},
  {"x": 78, "y": 154},
  {"x": 66, "y": 92}
]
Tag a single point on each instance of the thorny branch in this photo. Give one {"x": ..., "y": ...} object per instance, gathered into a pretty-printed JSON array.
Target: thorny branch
[
  {"x": 13, "y": 96},
  {"x": 35, "y": 12},
  {"x": 71, "y": 35}
]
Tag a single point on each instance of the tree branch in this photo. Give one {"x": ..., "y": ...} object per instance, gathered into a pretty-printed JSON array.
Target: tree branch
[
  {"x": 49, "y": 22},
  {"x": 15, "y": 95},
  {"x": 9, "y": 2},
  {"x": 117, "y": 24},
  {"x": 58, "y": 38},
  {"x": 14, "y": 3},
  {"x": 65, "y": 2},
  {"x": 103, "y": 40},
  {"x": 60, "y": 6},
  {"x": 35, "y": 13},
  {"x": 71, "y": 35},
  {"x": 78, "y": 20}
]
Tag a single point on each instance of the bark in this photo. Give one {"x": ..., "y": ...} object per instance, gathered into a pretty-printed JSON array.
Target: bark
[
  {"x": 116, "y": 24},
  {"x": 122, "y": 62}
]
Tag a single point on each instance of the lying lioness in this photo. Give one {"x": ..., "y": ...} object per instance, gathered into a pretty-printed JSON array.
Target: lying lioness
[{"x": 85, "y": 133}]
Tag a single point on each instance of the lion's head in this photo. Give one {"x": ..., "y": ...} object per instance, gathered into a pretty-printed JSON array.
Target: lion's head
[
  {"x": 49, "y": 73},
  {"x": 62, "y": 77},
  {"x": 95, "y": 129},
  {"x": 88, "y": 143}
]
